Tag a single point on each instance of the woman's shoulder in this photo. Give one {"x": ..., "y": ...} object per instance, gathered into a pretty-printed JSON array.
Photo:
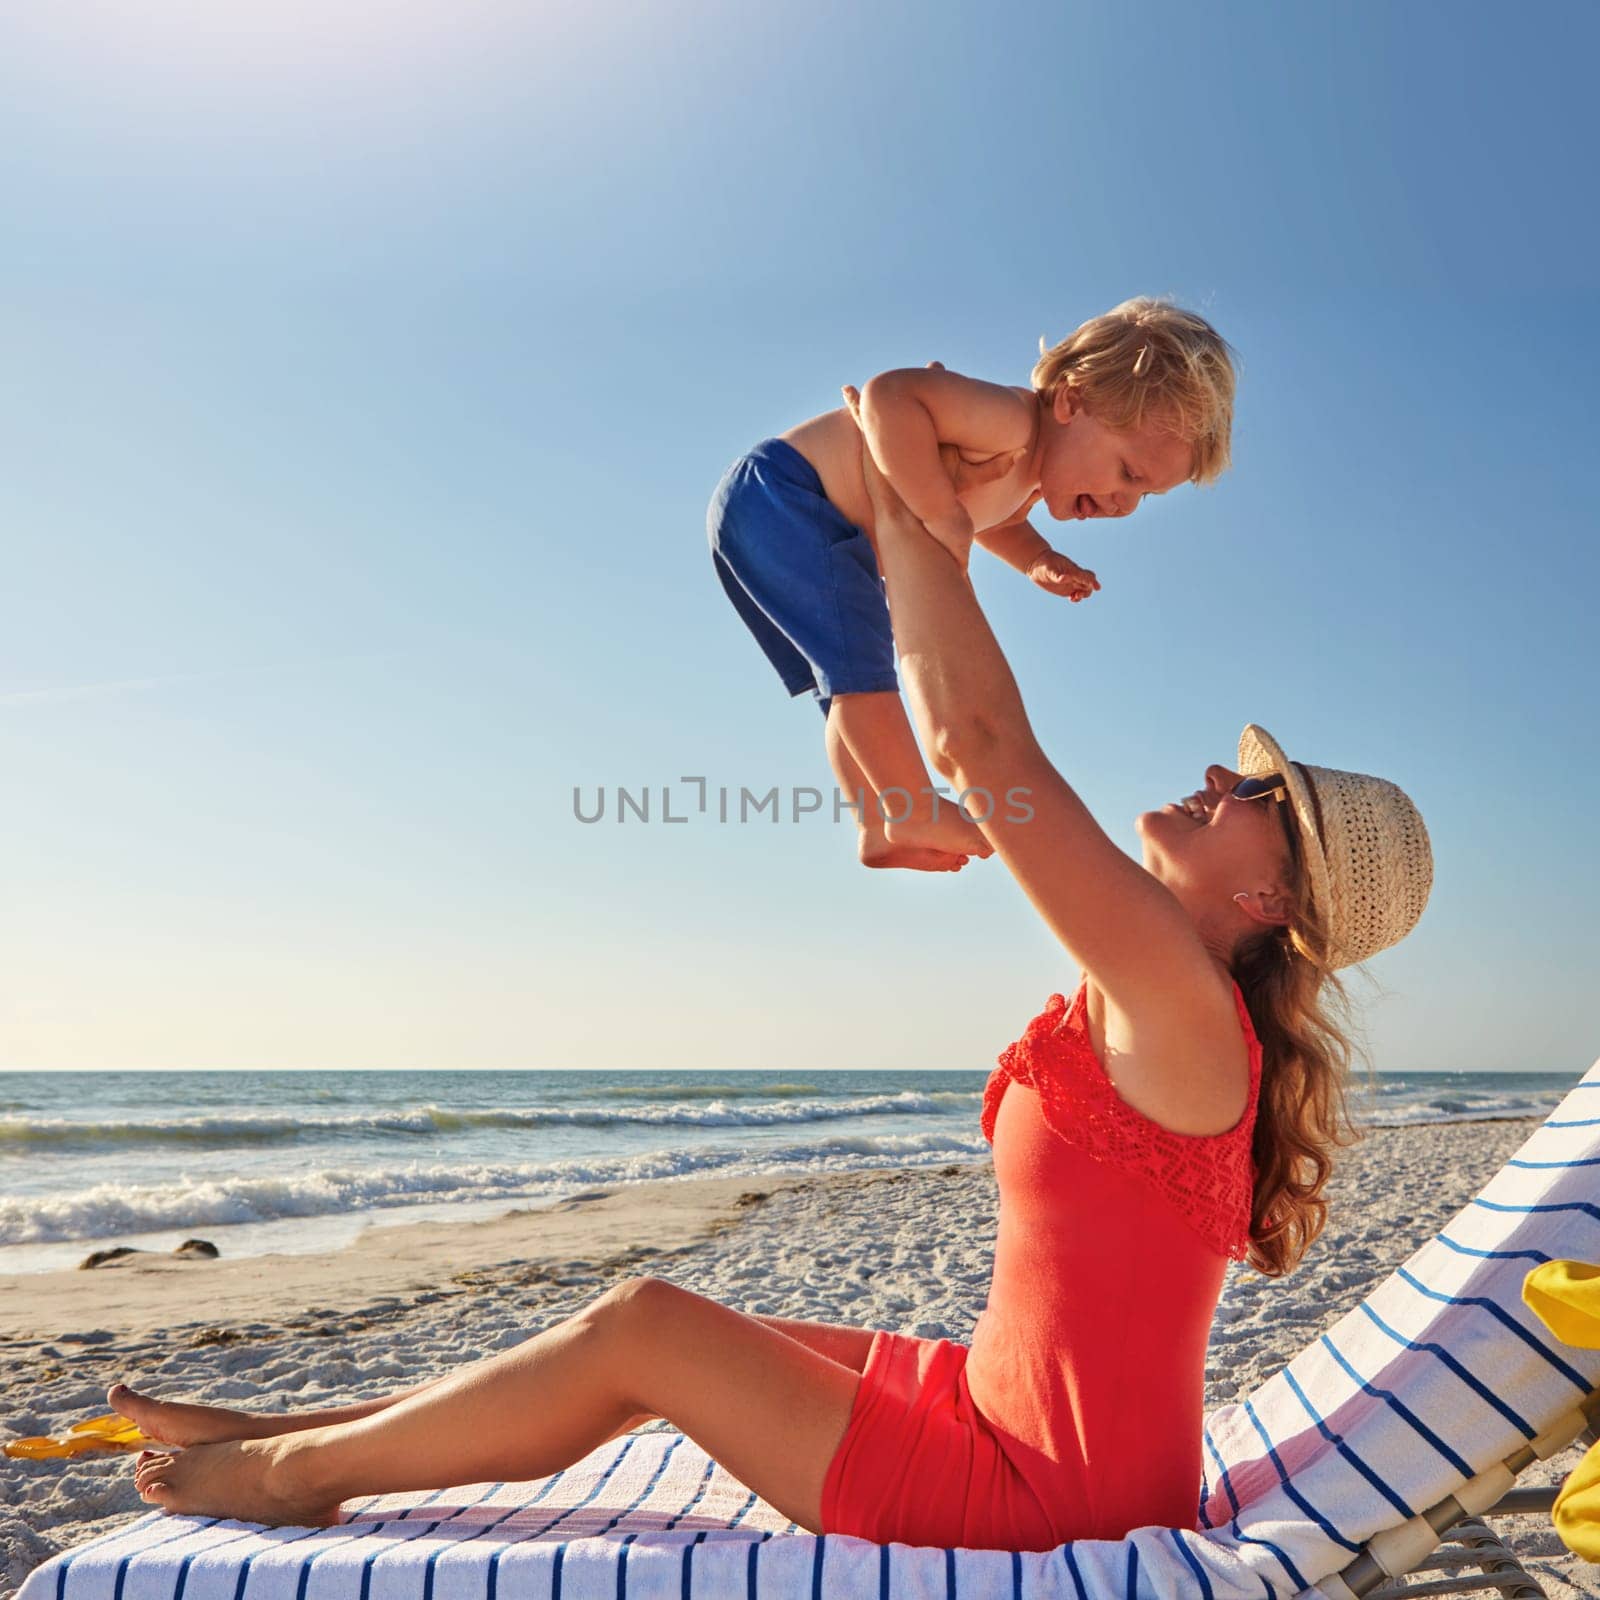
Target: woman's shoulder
[
  {"x": 1192, "y": 1070},
  {"x": 1206, "y": 1172}
]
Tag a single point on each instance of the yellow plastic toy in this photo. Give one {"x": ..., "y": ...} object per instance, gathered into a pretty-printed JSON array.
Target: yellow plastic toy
[
  {"x": 102, "y": 1434},
  {"x": 1565, "y": 1296}
]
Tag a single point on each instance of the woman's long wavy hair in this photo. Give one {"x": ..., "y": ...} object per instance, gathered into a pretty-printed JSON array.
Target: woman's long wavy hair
[{"x": 1301, "y": 1014}]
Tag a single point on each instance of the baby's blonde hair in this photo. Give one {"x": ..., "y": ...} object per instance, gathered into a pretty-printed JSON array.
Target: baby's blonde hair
[{"x": 1148, "y": 358}]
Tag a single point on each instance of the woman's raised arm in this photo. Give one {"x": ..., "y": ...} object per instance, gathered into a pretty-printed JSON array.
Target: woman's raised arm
[{"x": 1122, "y": 925}]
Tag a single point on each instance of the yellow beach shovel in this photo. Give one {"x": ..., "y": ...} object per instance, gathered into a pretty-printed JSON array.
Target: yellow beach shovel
[{"x": 99, "y": 1434}]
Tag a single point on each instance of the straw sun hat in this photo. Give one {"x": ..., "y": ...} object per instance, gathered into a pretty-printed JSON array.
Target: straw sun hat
[{"x": 1363, "y": 844}]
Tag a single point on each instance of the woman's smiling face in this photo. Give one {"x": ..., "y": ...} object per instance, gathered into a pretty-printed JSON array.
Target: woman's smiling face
[{"x": 1211, "y": 846}]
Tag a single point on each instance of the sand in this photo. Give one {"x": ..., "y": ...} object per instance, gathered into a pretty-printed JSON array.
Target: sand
[{"x": 908, "y": 1250}]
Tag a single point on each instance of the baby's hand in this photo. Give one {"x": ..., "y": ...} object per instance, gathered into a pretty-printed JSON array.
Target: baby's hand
[{"x": 1060, "y": 574}]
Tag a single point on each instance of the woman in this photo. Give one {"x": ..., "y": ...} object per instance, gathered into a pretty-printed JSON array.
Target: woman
[{"x": 1077, "y": 1410}]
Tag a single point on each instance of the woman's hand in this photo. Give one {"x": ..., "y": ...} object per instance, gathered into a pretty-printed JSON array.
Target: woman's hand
[
  {"x": 885, "y": 502},
  {"x": 1121, "y": 925},
  {"x": 963, "y": 474}
]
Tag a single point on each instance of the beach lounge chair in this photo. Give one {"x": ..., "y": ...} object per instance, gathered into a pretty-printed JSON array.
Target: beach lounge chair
[{"x": 1415, "y": 1409}]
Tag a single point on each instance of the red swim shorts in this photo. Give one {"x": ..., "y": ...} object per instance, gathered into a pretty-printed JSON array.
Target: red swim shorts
[{"x": 919, "y": 1464}]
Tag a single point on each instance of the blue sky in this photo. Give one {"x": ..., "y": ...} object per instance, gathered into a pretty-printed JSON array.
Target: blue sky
[{"x": 368, "y": 369}]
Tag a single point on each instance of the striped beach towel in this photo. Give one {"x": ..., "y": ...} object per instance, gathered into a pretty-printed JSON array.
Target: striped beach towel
[{"x": 1440, "y": 1373}]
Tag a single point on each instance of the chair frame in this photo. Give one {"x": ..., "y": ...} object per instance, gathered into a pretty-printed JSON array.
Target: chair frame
[{"x": 1419, "y": 1545}]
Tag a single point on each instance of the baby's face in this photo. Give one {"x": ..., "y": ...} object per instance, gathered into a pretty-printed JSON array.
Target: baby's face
[{"x": 1090, "y": 470}]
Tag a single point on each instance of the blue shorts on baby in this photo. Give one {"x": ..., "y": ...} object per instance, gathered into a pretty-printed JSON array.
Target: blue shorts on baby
[{"x": 802, "y": 576}]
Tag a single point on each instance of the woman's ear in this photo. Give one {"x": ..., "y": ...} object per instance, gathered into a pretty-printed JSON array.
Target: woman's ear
[{"x": 1269, "y": 907}]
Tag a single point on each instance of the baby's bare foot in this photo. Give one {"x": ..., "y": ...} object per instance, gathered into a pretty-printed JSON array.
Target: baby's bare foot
[
  {"x": 877, "y": 851},
  {"x": 171, "y": 1422},
  {"x": 250, "y": 1480},
  {"x": 949, "y": 829}
]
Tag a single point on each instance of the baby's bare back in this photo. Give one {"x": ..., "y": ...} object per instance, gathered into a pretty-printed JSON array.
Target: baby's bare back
[{"x": 832, "y": 444}]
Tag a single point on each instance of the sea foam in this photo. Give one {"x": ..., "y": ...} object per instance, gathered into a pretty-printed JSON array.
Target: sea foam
[
  {"x": 430, "y": 1120},
  {"x": 108, "y": 1209}
]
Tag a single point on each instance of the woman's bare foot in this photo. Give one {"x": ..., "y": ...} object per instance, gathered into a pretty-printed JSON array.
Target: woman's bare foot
[
  {"x": 250, "y": 1480},
  {"x": 945, "y": 828},
  {"x": 170, "y": 1422}
]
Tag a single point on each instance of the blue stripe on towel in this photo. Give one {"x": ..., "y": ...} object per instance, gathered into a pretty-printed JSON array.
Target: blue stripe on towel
[
  {"x": 122, "y": 1565},
  {"x": 1222, "y": 1481},
  {"x": 1072, "y": 1570},
  {"x": 477, "y": 1533},
  {"x": 492, "y": 1577},
  {"x": 431, "y": 1498},
  {"x": 1533, "y": 1211},
  {"x": 1289, "y": 1488},
  {"x": 246, "y": 1562},
  {"x": 816, "y": 1568},
  {"x": 188, "y": 1560},
  {"x": 1537, "y": 1256},
  {"x": 1206, "y": 1591},
  {"x": 633, "y": 1505},
  {"x": 1401, "y": 1410},
  {"x": 420, "y": 1531},
  {"x": 1337, "y": 1440},
  {"x": 743, "y": 1511},
  {"x": 1575, "y": 1122},
  {"x": 697, "y": 1497},
  {"x": 1535, "y": 1166},
  {"x": 1438, "y": 1350},
  {"x": 688, "y": 1557},
  {"x": 1279, "y": 1554},
  {"x": 1016, "y": 1575},
  {"x": 423, "y": 1529},
  {"x": 1130, "y": 1582},
  {"x": 1506, "y": 1320},
  {"x": 949, "y": 1575},
  {"x": 883, "y": 1572}
]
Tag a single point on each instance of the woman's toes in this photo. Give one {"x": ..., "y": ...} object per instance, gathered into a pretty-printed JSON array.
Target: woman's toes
[
  {"x": 129, "y": 1403},
  {"x": 176, "y": 1422}
]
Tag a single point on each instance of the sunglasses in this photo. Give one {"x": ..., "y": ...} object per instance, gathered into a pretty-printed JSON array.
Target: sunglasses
[
  {"x": 1260, "y": 788},
  {"x": 1272, "y": 785}
]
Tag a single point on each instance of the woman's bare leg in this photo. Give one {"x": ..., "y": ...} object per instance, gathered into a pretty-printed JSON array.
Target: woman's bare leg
[
  {"x": 183, "y": 1424},
  {"x": 766, "y": 1406},
  {"x": 180, "y": 1423}
]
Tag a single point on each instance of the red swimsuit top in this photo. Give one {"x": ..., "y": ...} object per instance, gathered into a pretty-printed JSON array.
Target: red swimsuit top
[{"x": 1114, "y": 1238}]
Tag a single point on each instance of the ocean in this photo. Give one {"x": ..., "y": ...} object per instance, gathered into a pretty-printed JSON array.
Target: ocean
[{"x": 302, "y": 1161}]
